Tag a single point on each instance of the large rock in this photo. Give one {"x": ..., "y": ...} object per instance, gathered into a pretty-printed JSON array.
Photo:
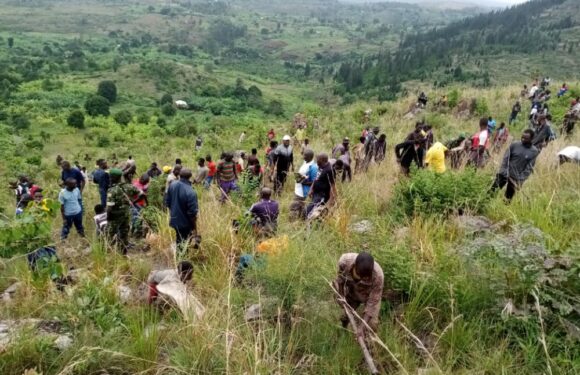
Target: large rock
[
  {"x": 362, "y": 227},
  {"x": 10, "y": 291},
  {"x": 473, "y": 224},
  {"x": 63, "y": 342},
  {"x": 253, "y": 313},
  {"x": 125, "y": 293}
]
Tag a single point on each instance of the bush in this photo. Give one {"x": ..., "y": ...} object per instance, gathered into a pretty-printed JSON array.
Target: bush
[
  {"x": 123, "y": 117},
  {"x": 275, "y": 108},
  {"x": 97, "y": 105},
  {"x": 168, "y": 110},
  {"x": 166, "y": 98},
  {"x": 20, "y": 122},
  {"x": 108, "y": 90},
  {"x": 432, "y": 193},
  {"x": 481, "y": 107},
  {"x": 453, "y": 98},
  {"x": 143, "y": 118},
  {"x": 76, "y": 119},
  {"x": 103, "y": 141}
]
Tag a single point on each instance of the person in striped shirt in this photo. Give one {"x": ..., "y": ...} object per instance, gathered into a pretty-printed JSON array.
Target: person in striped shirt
[{"x": 226, "y": 175}]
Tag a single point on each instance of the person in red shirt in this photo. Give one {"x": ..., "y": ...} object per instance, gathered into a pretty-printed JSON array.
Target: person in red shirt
[
  {"x": 139, "y": 202},
  {"x": 212, "y": 170},
  {"x": 271, "y": 135},
  {"x": 141, "y": 184}
]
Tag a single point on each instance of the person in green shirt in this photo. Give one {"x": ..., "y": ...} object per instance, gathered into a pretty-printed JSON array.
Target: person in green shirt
[{"x": 119, "y": 202}]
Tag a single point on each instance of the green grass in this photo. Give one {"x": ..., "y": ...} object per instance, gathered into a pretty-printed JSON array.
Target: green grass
[{"x": 447, "y": 314}]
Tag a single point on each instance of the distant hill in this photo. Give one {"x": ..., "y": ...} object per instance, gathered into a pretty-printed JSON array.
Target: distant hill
[
  {"x": 445, "y": 4},
  {"x": 546, "y": 32}
]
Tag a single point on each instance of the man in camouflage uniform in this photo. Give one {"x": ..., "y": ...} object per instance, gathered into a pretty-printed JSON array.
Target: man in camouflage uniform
[{"x": 119, "y": 204}]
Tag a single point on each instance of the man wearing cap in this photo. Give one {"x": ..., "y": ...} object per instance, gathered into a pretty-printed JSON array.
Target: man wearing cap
[
  {"x": 342, "y": 149},
  {"x": 119, "y": 203},
  {"x": 283, "y": 162}
]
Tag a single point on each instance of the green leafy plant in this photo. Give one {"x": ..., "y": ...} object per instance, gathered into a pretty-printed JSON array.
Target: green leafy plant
[
  {"x": 432, "y": 193},
  {"x": 97, "y": 105},
  {"x": 76, "y": 119}
]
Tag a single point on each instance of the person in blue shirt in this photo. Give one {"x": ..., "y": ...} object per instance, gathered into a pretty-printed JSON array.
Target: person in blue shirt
[
  {"x": 304, "y": 180},
  {"x": 102, "y": 179},
  {"x": 69, "y": 172},
  {"x": 181, "y": 199},
  {"x": 71, "y": 208},
  {"x": 491, "y": 124}
]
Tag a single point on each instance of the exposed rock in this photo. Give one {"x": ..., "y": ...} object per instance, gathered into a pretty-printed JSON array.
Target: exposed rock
[
  {"x": 362, "y": 227},
  {"x": 77, "y": 274},
  {"x": 253, "y": 313},
  {"x": 474, "y": 224},
  {"x": 63, "y": 342},
  {"x": 125, "y": 293},
  {"x": 10, "y": 291}
]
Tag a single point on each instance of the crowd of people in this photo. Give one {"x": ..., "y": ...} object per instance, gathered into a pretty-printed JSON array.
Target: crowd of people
[{"x": 123, "y": 195}]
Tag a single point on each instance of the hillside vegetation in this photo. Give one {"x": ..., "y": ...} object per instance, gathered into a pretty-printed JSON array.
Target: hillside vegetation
[{"x": 500, "y": 296}]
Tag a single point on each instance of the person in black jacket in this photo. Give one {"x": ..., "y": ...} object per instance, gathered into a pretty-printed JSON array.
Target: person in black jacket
[
  {"x": 181, "y": 199},
  {"x": 542, "y": 134},
  {"x": 408, "y": 152}
]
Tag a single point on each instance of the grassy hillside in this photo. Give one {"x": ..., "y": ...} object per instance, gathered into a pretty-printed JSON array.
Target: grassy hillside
[
  {"x": 452, "y": 292},
  {"x": 458, "y": 299}
]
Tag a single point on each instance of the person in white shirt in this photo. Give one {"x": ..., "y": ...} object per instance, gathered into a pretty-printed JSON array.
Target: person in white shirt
[
  {"x": 533, "y": 91},
  {"x": 173, "y": 176},
  {"x": 570, "y": 154},
  {"x": 304, "y": 179}
]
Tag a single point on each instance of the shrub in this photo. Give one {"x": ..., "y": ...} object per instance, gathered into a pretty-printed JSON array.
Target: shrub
[
  {"x": 453, "y": 98},
  {"x": 432, "y": 193},
  {"x": 103, "y": 141},
  {"x": 123, "y": 117},
  {"x": 275, "y": 108},
  {"x": 76, "y": 119},
  {"x": 20, "y": 122},
  {"x": 97, "y": 105},
  {"x": 161, "y": 122},
  {"x": 166, "y": 98},
  {"x": 108, "y": 90},
  {"x": 168, "y": 110},
  {"x": 481, "y": 107},
  {"x": 143, "y": 118},
  {"x": 184, "y": 129}
]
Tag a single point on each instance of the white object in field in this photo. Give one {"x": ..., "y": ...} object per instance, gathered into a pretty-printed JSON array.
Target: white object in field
[
  {"x": 571, "y": 152},
  {"x": 176, "y": 292},
  {"x": 181, "y": 104}
]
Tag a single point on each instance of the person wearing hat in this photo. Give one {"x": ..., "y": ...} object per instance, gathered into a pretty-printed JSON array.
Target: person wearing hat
[
  {"x": 119, "y": 202},
  {"x": 342, "y": 149},
  {"x": 283, "y": 160}
]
